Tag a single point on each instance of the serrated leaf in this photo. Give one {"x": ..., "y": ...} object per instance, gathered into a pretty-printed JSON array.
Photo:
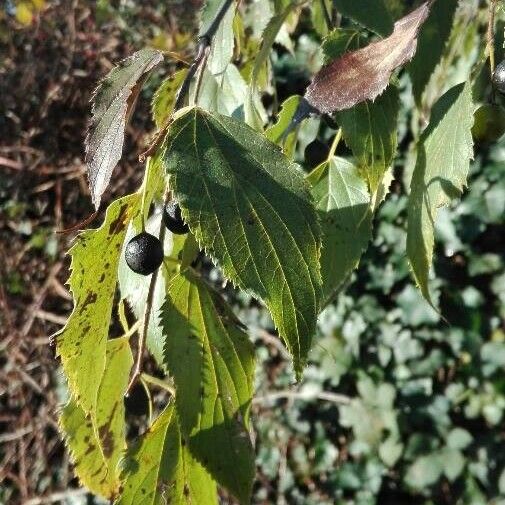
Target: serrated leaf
[
  {"x": 159, "y": 469},
  {"x": 113, "y": 101},
  {"x": 369, "y": 129},
  {"x": 372, "y": 14},
  {"x": 343, "y": 204},
  {"x": 432, "y": 39},
  {"x": 81, "y": 344},
  {"x": 444, "y": 153},
  {"x": 164, "y": 99},
  {"x": 250, "y": 208},
  {"x": 277, "y": 131},
  {"x": 97, "y": 442},
  {"x": 223, "y": 43},
  {"x": 214, "y": 393},
  {"x": 209, "y": 13},
  {"x": 364, "y": 74}
]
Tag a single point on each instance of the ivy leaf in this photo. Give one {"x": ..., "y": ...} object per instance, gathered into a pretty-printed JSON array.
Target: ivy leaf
[
  {"x": 343, "y": 204},
  {"x": 432, "y": 40},
  {"x": 214, "y": 393},
  {"x": 113, "y": 102},
  {"x": 372, "y": 14},
  {"x": 160, "y": 469},
  {"x": 82, "y": 343},
  {"x": 97, "y": 442},
  {"x": 164, "y": 98},
  {"x": 249, "y": 206},
  {"x": 369, "y": 129},
  {"x": 443, "y": 161},
  {"x": 364, "y": 74}
]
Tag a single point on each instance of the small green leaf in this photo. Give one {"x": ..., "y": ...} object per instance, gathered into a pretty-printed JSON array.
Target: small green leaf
[
  {"x": 276, "y": 132},
  {"x": 431, "y": 44},
  {"x": 81, "y": 344},
  {"x": 249, "y": 206},
  {"x": 372, "y": 14},
  {"x": 159, "y": 469},
  {"x": 339, "y": 41},
  {"x": 444, "y": 153},
  {"x": 113, "y": 102},
  {"x": 343, "y": 203},
  {"x": 164, "y": 99},
  {"x": 97, "y": 442},
  {"x": 214, "y": 393},
  {"x": 369, "y": 129}
]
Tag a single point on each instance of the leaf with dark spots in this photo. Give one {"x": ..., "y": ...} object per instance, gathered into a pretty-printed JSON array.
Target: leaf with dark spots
[
  {"x": 113, "y": 103},
  {"x": 119, "y": 224},
  {"x": 364, "y": 74}
]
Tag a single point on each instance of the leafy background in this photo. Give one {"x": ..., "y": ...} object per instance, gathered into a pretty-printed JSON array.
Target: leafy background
[{"x": 396, "y": 406}]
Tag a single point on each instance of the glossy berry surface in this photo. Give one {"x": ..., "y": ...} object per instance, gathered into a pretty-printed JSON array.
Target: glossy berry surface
[
  {"x": 315, "y": 153},
  {"x": 499, "y": 77},
  {"x": 137, "y": 401},
  {"x": 172, "y": 218},
  {"x": 144, "y": 253},
  {"x": 489, "y": 123}
]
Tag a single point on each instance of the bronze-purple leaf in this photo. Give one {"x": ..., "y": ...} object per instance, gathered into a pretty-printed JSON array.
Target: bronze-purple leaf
[{"x": 364, "y": 74}]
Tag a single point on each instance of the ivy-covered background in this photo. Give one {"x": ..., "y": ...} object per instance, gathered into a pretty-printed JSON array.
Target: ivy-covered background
[{"x": 397, "y": 406}]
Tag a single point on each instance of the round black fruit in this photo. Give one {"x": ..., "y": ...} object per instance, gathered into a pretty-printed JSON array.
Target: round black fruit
[
  {"x": 499, "y": 77},
  {"x": 137, "y": 401},
  {"x": 489, "y": 123},
  {"x": 315, "y": 153},
  {"x": 144, "y": 253},
  {"x": 172, "y": 218}
]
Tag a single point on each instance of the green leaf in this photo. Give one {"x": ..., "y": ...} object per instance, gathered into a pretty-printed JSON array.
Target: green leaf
[
  {"x": 276, "y": 132},
  {"x": 225, "y": 93},
  {"x": 97, "y": 442},
  {"x": 82, "y": 342},
  {"x": 444, "y": 152},
  {"x": 113, "y": 102},
  {"x": 369, "y": 129},
  {"x": 159, "y": 469},
  {"x": 252, "y": 114},
  {"x": 431, "y": 44},
  {"x": 214, "y": 393},
  {"x": 339, "y": 41},
  {"x": 209, "y": 12},
  {"x": 223, "y": 43},
  {"x": 249, "y": 206},
  {"x": 425, "y": 471},
  {"x": 372, "y": 14},
  {"x": 164, "y": 99},
  {"x": 343, "y": 204}
]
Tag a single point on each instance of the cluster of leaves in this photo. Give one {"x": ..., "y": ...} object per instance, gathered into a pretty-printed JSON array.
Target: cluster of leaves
[{"x": 289, "y": 240}]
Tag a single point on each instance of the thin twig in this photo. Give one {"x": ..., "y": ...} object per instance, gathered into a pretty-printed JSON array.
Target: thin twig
[
  {"x": 300, "y": 395},
  {"x": 490, "y": 34}
]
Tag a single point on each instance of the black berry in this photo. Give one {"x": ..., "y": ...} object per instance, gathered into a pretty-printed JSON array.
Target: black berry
[
  {"x": 499, "y": 77},
  {"x": 489, "y": 123},
  {"x": 137, "y": 401},
  {"x": 144, "y": 253},
  {"x": 315, "y": 153},
  {"x": 172, "y": 218}
]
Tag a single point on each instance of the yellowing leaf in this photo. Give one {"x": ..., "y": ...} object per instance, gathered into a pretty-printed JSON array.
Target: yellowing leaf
[
  {"x": 24, "y": 13},
  {"x": 212, "y": 362},
  {"x": 81, "y": 344},
  {"x": 159, "y": 469},
  {"x": 97, "y": 442}
]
